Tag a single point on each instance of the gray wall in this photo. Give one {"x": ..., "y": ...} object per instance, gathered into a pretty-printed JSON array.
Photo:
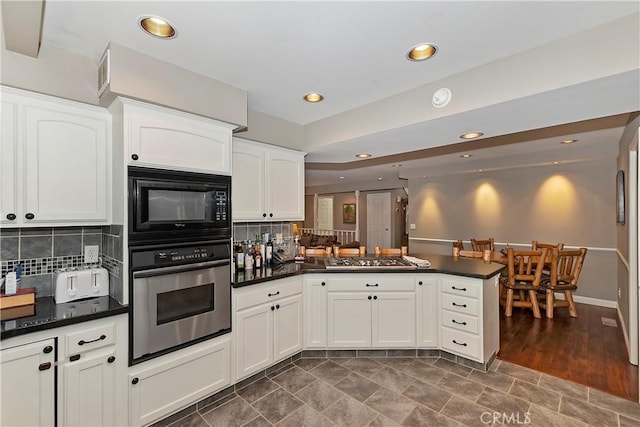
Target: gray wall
[
  {"x": 629, "y": 136},
  {"x": 572, "y": 203}
]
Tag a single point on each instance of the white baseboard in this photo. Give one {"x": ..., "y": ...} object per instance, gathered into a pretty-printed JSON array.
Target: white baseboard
[
  {"x": 591, "y": 301},
  {"x": 624, "y": 330}
]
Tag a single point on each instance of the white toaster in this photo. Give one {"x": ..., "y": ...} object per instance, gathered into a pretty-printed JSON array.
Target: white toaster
[{"x": 78, "y": 284}]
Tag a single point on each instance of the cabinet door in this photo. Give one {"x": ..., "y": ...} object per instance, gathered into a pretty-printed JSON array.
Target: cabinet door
[
  {"x": 394, "y": 319},
  {"x": 66, "y": 159},
  {"x": 349, "y": 319},
  {"x": 315, "y": 313},
  {"x": 427, "y": 312},
  {"x": 8, "y": 164},
  {"x": 28, "y": 385},
  {"x": 169, "y": 383},
  {"x": 89, "y": 385},
  {"x": 285, "y": 185},
  {"x": 287, "y": 327},
  {"x": 254, "y": 339},
  {"x": 170, "y": 140},
  {"x": 247, "y": 181}
]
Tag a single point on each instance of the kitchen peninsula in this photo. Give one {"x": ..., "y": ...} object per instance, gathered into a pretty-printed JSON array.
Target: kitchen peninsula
[{"x": 449, "y": 309}]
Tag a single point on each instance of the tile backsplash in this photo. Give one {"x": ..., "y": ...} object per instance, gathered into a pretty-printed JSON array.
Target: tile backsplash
[{"x": 42, "y": 251}]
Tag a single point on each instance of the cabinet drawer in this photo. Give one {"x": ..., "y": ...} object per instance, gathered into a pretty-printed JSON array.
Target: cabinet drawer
[
  {"x": 460, "y": 304},
  {"x": 463, "y": 287},
  {"x": 90, "y": 339},
  {"x": 259, "y": 294},
  {"x": 374, "y": 283},
  {"x": 460, "y": 321},
  {"x": 461, "y": 343}
]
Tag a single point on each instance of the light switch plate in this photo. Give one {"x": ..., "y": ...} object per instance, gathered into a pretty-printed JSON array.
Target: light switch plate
[
  {"x": 91, "y": 254},
  {"x": 412, "y": 226}
]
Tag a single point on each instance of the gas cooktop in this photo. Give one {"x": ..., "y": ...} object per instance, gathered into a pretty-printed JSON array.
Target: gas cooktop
[{"x": 367, "y": 263}]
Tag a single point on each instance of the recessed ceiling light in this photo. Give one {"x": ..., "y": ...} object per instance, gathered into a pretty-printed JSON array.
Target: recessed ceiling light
[
  {"x": 363, "y": 155},
  {"x": 441, "y": 97},
  {"x": 568, "y": 141},
  {"x": 471, "y": 135},
  {"x": 465, "y": 156},
  {"x": 424, "y": 176},
  {"x": 480, "y": 170},
  {"x": 157, "y": 27},
  {"x": 341, "y": 177},
  {"x": 556, "y": 163},
  {"x": 313, "y": 97},
  {"x": 379, "y": 178},
  {"x": 397, "y": 165},
  {"x": 421, "y": 52}
]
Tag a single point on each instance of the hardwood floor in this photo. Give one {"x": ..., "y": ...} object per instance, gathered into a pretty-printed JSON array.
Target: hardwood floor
[{"x": 579, "y": 349}]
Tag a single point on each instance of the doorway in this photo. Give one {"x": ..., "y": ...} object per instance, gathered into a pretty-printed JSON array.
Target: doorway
[
  {"x": 325, "y": 213},
  {"x": 378, "y": 220}
]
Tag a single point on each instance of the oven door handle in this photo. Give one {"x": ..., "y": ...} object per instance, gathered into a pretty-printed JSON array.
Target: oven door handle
[{"x": 179, "y": 269}]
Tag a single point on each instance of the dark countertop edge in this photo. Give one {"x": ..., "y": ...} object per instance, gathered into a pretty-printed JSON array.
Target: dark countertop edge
[
  {"x": 12, "y": 333},
  {"x": 322, "y": 270}
]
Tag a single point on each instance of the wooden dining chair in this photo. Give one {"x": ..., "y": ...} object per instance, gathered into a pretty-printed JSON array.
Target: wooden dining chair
[
  {"x": 471, "y": 254},
  {"x": 535, "y": 245},
  {"x": 459, "y": 244},
  {"x": 481, "y": 245},
  {"x": 349, "y": 252},
  {"x": 523, "y": 274},
  {"x": 565, "y": 272},
  {"x": 315, "y": 252},
  {"x": 388, "y": 251}
]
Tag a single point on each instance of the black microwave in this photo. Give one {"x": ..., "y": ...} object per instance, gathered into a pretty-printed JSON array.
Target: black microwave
[{"x": 176, "y": 206}]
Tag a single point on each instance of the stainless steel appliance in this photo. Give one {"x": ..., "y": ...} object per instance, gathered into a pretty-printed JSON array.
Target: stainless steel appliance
[
  {"x": 173, "y": 206},
  {"x": 180, "y": 294},
  {"x": 367, "y": 263}
]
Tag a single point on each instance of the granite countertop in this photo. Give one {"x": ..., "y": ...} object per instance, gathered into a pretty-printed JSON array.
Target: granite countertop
[
  {"x": 446, "y": 264},
  {"x": 49, "y": 315}
]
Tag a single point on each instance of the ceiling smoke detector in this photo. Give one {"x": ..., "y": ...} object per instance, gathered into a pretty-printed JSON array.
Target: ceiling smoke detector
[{"x": 441, "y": 97}]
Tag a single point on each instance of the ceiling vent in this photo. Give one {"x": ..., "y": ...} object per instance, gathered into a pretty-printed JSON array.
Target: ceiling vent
[{"x": 104, "y": 71}]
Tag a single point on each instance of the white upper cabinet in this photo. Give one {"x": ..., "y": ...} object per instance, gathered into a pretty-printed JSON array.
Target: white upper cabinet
[
  {"x": 55, "y": 161},
  {"x": 267, "y": 182},
  {"x": 168, "y": 139}
]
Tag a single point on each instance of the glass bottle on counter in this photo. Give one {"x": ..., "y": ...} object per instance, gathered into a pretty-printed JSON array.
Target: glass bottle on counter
[
  {"x": 269, "y": 252},
  {"x": 257, "y": 257},
  {"x": 239, "y": 256},
  {"x": 248, "y": 256}
]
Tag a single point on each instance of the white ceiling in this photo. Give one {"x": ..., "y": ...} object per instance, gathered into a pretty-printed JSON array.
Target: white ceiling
[{"x": 354, "y": 53}]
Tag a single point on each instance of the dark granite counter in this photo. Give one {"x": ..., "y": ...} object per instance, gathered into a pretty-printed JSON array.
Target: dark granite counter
[
  {"x": 445, "y": 264},
  {"x": 49, "y": 315}
]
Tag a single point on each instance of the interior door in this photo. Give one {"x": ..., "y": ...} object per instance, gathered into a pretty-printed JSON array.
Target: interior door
[
  {"x": 378, "y": 220},
  {"x": 325, "y": 213}
]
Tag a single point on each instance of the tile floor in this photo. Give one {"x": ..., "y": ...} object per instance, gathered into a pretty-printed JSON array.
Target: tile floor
[{"x": 411, "y": 392}]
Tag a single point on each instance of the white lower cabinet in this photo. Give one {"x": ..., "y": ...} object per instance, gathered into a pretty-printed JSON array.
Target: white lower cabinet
[
  {"x": 268, "y": 324},
  {"x": 315, "y": 311},
  {"x": 89, "y": 375},
  {"x": 427, "y": 310},
  {"x": 28, "y": 383},
  {"x": 371, "y": 311},
  {"x": 164, "y": 385}
]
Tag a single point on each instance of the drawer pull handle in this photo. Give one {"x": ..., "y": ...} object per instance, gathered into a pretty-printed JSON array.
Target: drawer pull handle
[
  {"x": 277, "y": 306},
  {"x": 420, "y": 283},
  {"x": 74, "y": 357},
  {"x": 111, "y": 359},
  {"x": 323, "y": 283},
  {"x": 264, "y": 215},
  {"x": 372, "y": 286},
  {"x": 273, "y": 295},
  {"x": 11, "y": 216},
  {"x": 458, "y": 323},
  {"x": 375, "y": 297},
  {"x": 272, "y": 308},
  {"x": 29, "y": 215},
  {"x": 48, "y": 349},
  {"x": 369, "y": 297},
  {"x": 459, "y": 305},
  {"x": 134, "y": 381},
  {"x": 44, "y": 366},
  {"x": 135, "y": 157},
  {"x": 464, "y": 344},
  {"x": 100, "y": 338},
  {"x": 459, "y": 289}
]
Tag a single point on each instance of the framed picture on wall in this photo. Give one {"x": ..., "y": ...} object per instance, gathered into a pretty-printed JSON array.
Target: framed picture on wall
[
  {"x": 620, "y": 197},
  {"x": 349, "y": 213}
]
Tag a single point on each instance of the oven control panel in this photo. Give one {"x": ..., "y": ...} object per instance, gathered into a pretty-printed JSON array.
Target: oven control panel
[
  {"x": 184, "y": 254},
  {"x": 221, "y": 206}
]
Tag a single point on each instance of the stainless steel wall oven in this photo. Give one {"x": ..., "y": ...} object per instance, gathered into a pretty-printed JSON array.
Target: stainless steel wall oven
[{"x": 180, "y": 294}]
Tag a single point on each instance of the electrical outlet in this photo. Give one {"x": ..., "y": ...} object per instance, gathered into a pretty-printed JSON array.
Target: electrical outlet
[
  {"x": 619, "y": 293},
  {"x": 91, "y": 254},
  {"x": 412, "y": 226}
]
